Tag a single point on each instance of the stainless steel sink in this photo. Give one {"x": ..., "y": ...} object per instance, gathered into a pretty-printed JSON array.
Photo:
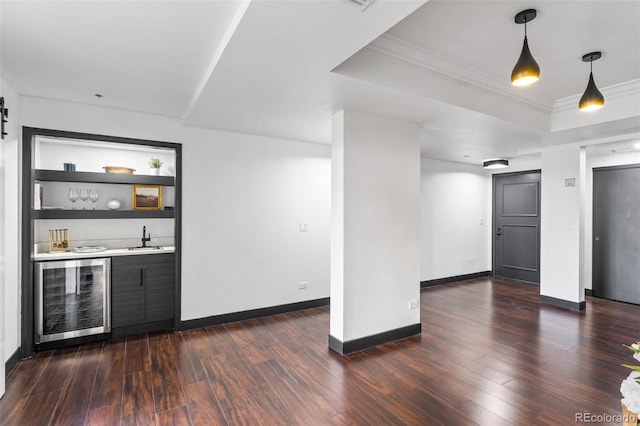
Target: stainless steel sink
[{"x": 140, "y": 248}]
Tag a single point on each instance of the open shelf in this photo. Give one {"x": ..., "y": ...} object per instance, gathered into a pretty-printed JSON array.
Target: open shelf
[
  {"x": 91, "y": 177},
  {"x": 103, "y": 214}
]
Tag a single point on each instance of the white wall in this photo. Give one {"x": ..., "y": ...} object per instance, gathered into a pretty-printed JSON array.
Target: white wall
[
  {"x": 9, "y": 237},
  {"x": 243, "y": 199},
  {"x": 242, "y": 206},
  {"x": 594, "y": 161},
  {"x": 51, "y": 154},
  {"x": 560, "y": 224},
  {"x": 377, "y": 166},
  {"x": 455, "y": 219}
]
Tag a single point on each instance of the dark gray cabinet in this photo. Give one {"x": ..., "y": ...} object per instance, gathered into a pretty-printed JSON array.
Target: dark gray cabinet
[{"x": 142, "y": 291}]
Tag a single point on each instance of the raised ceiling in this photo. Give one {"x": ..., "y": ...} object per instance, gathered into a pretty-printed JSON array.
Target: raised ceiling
[
  {"x": 481, "y": 38},
  {"x": 282, "y": 68}
]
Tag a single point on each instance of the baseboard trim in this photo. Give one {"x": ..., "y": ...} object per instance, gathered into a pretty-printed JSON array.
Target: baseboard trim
[
  {"x": 11, "y": 362},
  {"x": 349, "y": 346},
  {"x": 564, "y": 304},
  {"x": 447, "y": 280},
  {"x": 588, "y": 292},
  {"x": 148, "y": 327},
  {"x": 251, "y": 314}
]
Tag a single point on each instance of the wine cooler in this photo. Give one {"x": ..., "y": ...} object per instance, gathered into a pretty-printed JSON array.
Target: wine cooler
[{"x": 72, "y": 299}]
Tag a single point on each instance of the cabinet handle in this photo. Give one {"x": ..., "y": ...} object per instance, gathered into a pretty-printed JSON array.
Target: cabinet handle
[{"x": 143, "y": 276}]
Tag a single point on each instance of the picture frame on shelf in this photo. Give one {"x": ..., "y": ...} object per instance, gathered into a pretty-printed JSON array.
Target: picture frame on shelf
[{"x": 146, "y": 197}]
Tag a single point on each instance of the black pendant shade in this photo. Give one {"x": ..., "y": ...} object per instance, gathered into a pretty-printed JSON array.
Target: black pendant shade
[
  {"x": 526, "y": 71},
  {"x": 592, "y": 99}
]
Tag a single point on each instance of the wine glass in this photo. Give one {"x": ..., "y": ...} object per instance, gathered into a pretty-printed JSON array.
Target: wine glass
[
  {"x": 73, "y": 196},
  {"x": 84, "y": 195},
  {"x": 93, "y": 196}
]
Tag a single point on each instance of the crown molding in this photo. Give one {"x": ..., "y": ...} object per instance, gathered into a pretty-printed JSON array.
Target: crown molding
[
  {"x": 444, "y": 67},
  {"x": 629, "y": 88}
]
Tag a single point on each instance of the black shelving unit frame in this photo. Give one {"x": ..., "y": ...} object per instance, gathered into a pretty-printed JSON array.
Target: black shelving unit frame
[
  {"x": 103, "y": 214},
  {"x": 30, "y": 176},
  {"x": 91, "y": 177}
]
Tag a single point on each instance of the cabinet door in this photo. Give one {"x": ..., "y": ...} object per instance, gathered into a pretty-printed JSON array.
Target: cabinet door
[
  {"x": 127, "y": 292},
  {"x": 160, "y": 284}
]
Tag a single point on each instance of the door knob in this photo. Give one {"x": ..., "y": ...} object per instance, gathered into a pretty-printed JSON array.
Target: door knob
[{"x": 498, "y": 231}]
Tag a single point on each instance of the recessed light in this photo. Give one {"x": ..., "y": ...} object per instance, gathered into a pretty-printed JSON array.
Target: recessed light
[
  {"x": 497, "y": 163},
  {"x": 637, "y": 145}
]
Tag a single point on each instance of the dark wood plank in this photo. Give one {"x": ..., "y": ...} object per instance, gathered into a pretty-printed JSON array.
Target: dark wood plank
[
  {"x": 229, "y": 391},
  {"x": 167, "y": 389},
  {"x": 481, "y": 415},
  {"x": 105, "y": 416},
  {"x": 20, "y": 385},
  {"x": 74, "y": 400},
  {"x": 137, "y": 393},
  {"x": 176, "y": 416},
  {"x": 188, "y": 357},
  {"x": 110, "y": 375},
  {"x": 139, "y": 418},
  {"x": 137, "y": 354},
  {"x": 38, "y": 409},
  {"x": 204, "y": 407},
  {"x": 55, "y": 376},
  {"x": 268, "y": 406}
]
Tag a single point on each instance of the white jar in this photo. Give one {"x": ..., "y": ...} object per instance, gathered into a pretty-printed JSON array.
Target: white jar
[{"x": 113, "y": 204}]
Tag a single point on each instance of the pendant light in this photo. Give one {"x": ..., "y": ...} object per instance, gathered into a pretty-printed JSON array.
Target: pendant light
[
  {"x": 592, "y": 99},
  {"x": 526, "y": 71}
]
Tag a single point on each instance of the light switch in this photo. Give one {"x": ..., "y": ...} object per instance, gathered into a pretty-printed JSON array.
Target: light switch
[{"x": 304, "y": 227}]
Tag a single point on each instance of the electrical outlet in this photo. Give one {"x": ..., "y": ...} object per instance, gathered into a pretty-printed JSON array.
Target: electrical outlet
[
  {"x": 302, "y": 285},
  {"x": 413, "y": 304},
  {"x": 304, "y": 227}
]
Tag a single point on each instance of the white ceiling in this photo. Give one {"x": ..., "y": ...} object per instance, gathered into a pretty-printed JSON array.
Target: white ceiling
[
  {"x": 274, "y": 77},
  {"x": 281, "y": 68},
  {"x": 140, "y": 56}
]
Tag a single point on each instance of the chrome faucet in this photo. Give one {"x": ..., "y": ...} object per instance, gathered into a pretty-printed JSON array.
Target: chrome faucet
[{"x": 144, "y": 237}]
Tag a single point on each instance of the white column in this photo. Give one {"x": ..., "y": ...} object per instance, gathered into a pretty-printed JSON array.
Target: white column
[
  {"x": 375, "y": 231},
  {"x": 561, "y": 222}
]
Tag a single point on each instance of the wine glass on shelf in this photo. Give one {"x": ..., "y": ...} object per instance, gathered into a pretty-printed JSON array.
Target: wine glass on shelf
[
  {"x": 73, "y": 196},
  {"x": 93, "y": 196},
  {"x": 84, "y": 195}
]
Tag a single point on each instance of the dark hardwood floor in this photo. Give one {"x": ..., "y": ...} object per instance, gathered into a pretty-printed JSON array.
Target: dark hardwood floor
[{"x": 489, "y": 354}]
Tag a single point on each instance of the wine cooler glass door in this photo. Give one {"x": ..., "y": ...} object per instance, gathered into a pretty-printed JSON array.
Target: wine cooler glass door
[{"x": 72, "y": 299}]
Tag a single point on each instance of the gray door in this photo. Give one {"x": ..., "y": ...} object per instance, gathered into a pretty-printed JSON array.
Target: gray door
[
  {"x": 616, "y": 233},
  {"x": 516, "y": 226}
]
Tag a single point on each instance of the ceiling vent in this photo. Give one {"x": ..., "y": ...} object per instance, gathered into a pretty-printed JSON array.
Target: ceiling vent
[{"x": 364, "y": 4}]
